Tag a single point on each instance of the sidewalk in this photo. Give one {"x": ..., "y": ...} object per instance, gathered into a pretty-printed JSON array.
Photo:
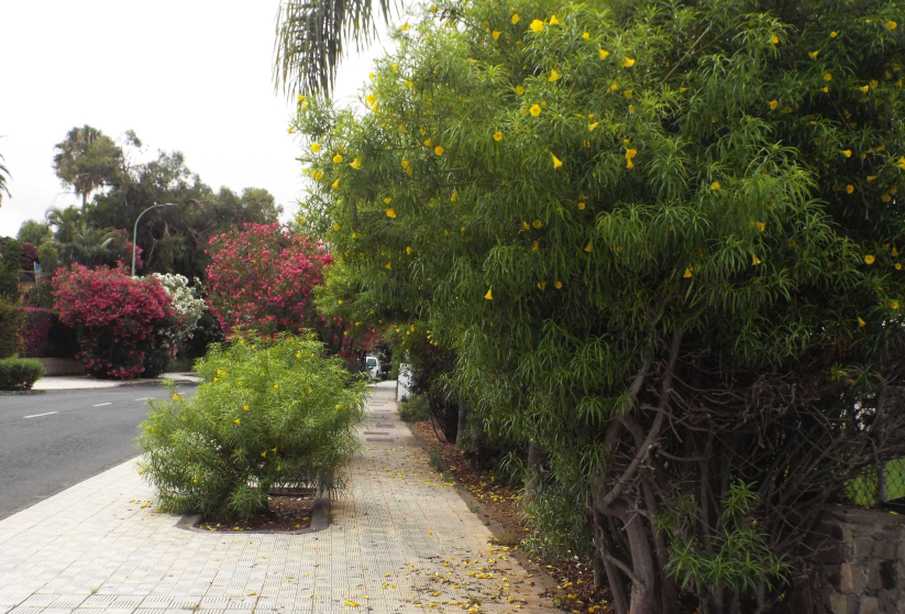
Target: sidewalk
[
  {"x": 401, "y": 540},
  {"x": 85, "y": 382}
]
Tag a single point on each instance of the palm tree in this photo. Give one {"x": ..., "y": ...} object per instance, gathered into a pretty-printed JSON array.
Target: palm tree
[
  {"x": 4, "y": 176},
  {"x": 311, "y": 39}
]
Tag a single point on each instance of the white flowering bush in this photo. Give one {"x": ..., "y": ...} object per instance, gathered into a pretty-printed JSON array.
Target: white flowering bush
[{"x": 187, "y": 304}]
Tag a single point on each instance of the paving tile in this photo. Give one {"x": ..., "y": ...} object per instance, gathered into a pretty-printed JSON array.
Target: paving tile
[{"x": 98, "y": 548}]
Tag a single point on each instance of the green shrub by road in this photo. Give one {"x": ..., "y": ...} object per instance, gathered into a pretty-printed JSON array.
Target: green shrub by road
[
  {"x": 19, "y": 373},
  {"x": 268, "y": 413}
]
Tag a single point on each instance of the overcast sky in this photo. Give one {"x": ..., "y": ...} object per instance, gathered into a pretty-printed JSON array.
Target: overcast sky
[{"x": 186, "y": 75}]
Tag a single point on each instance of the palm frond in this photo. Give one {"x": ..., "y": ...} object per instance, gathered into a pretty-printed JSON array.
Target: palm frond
[
  {"x": 311, "y": 37},
  {"x": 4, "y": 176}
]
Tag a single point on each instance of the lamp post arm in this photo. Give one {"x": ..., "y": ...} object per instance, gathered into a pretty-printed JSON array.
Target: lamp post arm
[{"x": 135, "y": 231}]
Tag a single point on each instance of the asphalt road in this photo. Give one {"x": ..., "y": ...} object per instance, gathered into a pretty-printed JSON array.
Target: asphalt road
[{"x": 52, "y": 440}]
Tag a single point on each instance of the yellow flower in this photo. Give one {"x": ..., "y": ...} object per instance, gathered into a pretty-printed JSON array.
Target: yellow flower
[
  {"x": 454, "y": 197},
  {"x": 405, "y": 27},
  {"x": 264, "y": 454},
  {"x": 582, "y": 205},
  {"x": 519, "y": 90},
  {"x": 498, "y": 136},
  {"x": 891, "y": 25},
  {"x": 338, "y": 159},
  {"x": 387, "y": 200},
  {"x": 593, "y": 126},
  {"x": 864, "y": 89},
  {"x": 525, "y": 226},
  {"x": 827, "y": 76},
  {"x": 630, "y": 154},
  {"x": 688, "y": 274},
  {"x": 438, "y": 150},
  {"x": 335, "y": 184},
  {"x": 825, "y": 89},
  {"x": 553, "y": 20},
  {"x": 774, "y": 104},
  {"x": 589, "y": 248},
  {"x": 516, "y": 18},
  {"x": 901, "y": 163},
  {"x": 869, "y": 259},
  {"x": 554, "y": 75},
  {"x": 371, "y": 101},
  {"x": 495, "y": 35},
  {"x": 237, "y": 421},
  {"x": 849, "y": 189},
  {"x": 557, "y": 284},
  {"x": 318, "y": 175},
  {"x": 427, "y": 142},
  {"x": 603, "y": 53},
  {"x": 846, "y": 153},
  {"x": 488, "y": 296},
  {"x": 390, "y": 213},
  {"x": 556, "y": 161},
  {"x": 535, "y": 246},
  {"x": 715, "y": 186},
  {"x": 534, "y": 110},
  {"x": 834, "y": 34},
  {"x": 537, "y": 26},
  {"x": 628, "y": 62},
  {"x": 176, "y": 396},
  {"x": 407, "y": 167},
  {"x": 276, "y": 386},
  {"x": 614, "y": 87},
  {"x": 755, "y": 261},
  {"x": 290, "y": 130},
  {"x": 774, "y": 39},
  {"x": 315, "y": 147},
  {"x": 894, "y": 305},
  {"x": 541, "y": 285},
  {"x": 585, "y": 36},
  {"x": 861, "y": 322},
  {"x": 761, "y": 226},
  {"x": 388, "y": 265},
  {"x": 537, "y": 224},
  {"x": 409, "y": 84},
  {"x": 898, "y": 266},
  {"x": 246, "y": 407},
  {"x": 356, "y": 163},
  {"x": 813, "y": 54},
  {"x": 409, "y": 250}
]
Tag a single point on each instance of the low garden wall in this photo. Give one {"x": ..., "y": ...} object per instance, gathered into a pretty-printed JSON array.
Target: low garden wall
[{"x": 862, "y": 562}]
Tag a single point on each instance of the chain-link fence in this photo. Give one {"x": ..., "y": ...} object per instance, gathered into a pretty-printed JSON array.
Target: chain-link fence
[{"x": 881, "y": 486}]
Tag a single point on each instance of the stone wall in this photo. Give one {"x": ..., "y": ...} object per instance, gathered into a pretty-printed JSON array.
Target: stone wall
[{"x": 862, "y": 562}]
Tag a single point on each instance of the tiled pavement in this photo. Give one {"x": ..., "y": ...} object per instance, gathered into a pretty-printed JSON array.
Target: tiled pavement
[{"x": 401, "y": 540}]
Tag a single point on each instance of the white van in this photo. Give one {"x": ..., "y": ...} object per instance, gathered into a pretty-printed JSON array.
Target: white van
[{"x": 372, "y": 366}]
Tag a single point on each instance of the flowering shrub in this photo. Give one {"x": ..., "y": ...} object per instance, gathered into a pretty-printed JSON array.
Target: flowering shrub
[
  {"x": 268, "y": 414},
  {"x": 122, "y": 323},
  {"x": 261, "y": 276},
  {"x": 42, "y": 334},
  {"x": 186, "y": 303}
]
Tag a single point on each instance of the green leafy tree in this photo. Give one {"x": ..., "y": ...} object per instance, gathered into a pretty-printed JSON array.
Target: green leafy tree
[
  {"x": 86, "y": 160},
  {"x": 34, "y": 232},
  {"x": 664, "y": 243}
]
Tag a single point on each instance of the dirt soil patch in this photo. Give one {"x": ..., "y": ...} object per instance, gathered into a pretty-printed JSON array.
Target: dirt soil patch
[
  {"x": 287, "y": 513},
  {"x": 498, "y": 505}
]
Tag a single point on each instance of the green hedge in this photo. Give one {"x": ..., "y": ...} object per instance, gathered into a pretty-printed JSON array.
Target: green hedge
[
  {"x": 10, "y": 320},
  {"x": 19, "y": 373}
]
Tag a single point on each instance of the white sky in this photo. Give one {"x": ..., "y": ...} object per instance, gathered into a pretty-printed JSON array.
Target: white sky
[{"x": 186, "y": 75}]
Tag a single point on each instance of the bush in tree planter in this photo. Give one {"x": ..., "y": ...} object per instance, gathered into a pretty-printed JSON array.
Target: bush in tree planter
[{"x": 268, "y": 413}]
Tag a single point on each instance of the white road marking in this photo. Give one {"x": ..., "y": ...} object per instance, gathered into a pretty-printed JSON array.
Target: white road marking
[
  {"x": 46, "y": 413},
  {"x": 102, "y": 404},
  {"x": 144, "y": 398}
]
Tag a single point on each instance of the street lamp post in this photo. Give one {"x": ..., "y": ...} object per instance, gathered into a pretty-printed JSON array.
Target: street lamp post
[{"x": 135, "y": 229}]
